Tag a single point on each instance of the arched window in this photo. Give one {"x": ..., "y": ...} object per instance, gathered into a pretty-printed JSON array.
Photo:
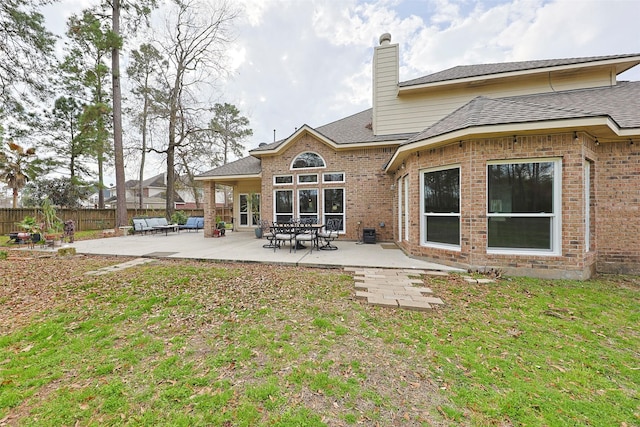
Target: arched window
[{"x": 308, "y": 160}]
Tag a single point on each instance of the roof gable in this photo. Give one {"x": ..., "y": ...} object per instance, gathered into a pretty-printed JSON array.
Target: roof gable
[
  {"x": 249, "y": 165},
  {"x": 621, "y": 103}
]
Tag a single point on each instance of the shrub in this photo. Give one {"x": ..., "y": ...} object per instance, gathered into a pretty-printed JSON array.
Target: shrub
[{"x": 179, "y": 217}]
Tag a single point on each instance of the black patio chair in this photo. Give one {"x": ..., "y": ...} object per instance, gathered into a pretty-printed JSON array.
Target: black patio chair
[
  {"x": 268, "y": 231},
  {"x": 330, "y": 233},
  {"x": 284, "y": 232}
]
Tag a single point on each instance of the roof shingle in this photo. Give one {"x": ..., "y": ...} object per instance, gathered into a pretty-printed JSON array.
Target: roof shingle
[
  {"x": 478, "y": 70},
  {"x": 620, "y": 102}
]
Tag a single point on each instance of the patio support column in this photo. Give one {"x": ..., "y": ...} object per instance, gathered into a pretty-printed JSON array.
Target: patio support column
[{"x": 209, "y": 208}]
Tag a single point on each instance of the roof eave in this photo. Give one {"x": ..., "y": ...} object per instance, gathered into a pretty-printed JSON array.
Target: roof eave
[
  {"x": 621, "y": 65},
  {"x": 228, "y": 177},
  {"x": 331, "y": 143},
  {"x": 601, "y": 126}
]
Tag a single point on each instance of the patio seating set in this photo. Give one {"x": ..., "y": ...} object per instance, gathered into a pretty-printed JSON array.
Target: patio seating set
[
  {"x": 159, "y": 224},
  {"x": 298, "y": 232}
]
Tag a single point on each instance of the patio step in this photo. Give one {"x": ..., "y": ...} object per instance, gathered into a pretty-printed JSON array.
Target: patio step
[{"x": 394, "y": 288}]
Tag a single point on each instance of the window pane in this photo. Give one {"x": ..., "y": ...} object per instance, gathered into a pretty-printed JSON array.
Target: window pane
[
  {"x": 442, "y": 191},
  {"x": 340, "y": 217},
  {"x": 308, "y": 200},
  {"x": 333, "y": 200},
  {"x": 243, "y": 203},
  {"x": 308, "y": 160},
  {"x": 333, "y": 177},
  {"x": 288, "y": 179},
  {"x": 307, "y": 178},
  {"x": 521, "y": 188},
  {"x": 443, "y": 229},
  {"x": 284, "y": 201},
  {"x": 523, "y": 233}
]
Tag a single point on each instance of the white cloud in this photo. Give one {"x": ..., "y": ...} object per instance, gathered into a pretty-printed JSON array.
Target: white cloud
[{"x": 309, "y": 61}]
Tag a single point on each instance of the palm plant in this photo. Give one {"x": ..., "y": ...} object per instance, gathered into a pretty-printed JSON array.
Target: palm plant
[{"x": 17, "y": 167}]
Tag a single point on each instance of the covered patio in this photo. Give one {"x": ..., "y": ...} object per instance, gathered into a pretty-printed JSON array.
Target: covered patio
[{"x": 245, "y": 247}]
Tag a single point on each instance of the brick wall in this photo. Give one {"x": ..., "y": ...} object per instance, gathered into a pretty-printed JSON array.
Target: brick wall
[
  {"x": 617, "y": 222},
  {"x": 210, "y": 207},
  {"x": 472, "y": 157},
  {"x": 368, "y": 192}
]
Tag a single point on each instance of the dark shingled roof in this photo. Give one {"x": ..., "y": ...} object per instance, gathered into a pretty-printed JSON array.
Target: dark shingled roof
[
  {"x": 354, "y": 129},
  {"x": 621, "y": 103},
  {"x": 468, "y": 71},
  {"x": 246, "y": 166}
]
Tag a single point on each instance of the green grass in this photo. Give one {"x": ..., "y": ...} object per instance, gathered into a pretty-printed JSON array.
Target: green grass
[{"x": 195, "y": 343}]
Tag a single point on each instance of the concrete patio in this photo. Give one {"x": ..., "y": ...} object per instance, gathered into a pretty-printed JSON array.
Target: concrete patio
[{"x": 245, "y": 247}]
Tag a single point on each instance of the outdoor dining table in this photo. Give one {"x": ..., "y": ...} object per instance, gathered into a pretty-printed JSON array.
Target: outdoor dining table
[{"x": 296, "y": 229}]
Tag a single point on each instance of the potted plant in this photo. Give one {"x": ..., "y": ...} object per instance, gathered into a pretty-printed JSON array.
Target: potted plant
[
  {"x": 31, "y": 227},
  {"x": 254, "y": 200},
  {"x": 52, "y": 224}
]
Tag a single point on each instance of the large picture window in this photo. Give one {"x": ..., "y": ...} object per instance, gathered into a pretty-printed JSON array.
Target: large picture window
[
  {"x": 523, "y": 206},
  {"x": 441, "y": 207},
  {"x": 334, "y": 205},
  {"x": 283, "y": 205},
  {"x": 308, "y": 204}
]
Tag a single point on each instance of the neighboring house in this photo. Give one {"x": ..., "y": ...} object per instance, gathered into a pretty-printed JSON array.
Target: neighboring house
[
  {"x": 154, "y": 194},
  {"x": 529, "y": 167}
]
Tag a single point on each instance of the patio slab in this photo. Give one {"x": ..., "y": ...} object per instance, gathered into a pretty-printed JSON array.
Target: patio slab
[{"x": 244, "y": 247}]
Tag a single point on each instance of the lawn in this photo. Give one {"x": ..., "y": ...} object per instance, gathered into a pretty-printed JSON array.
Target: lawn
[{"x": 197, "y": 343}]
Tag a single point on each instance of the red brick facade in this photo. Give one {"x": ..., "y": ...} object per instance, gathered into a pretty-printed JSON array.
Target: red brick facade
[
  {"x": 368, "y": 189},
  {"x": 615, "y": 191},
  {"x": 371, "y": 199}
]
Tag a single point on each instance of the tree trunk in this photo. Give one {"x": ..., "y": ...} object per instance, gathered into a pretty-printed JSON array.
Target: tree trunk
[
  {"x": 15, "y": 197},
  {"x": 171, "y": 173},
  {"x": 101, "y": 185},
  {"x": 121, "y": 191},
  {"x": 143, "y": 154}
]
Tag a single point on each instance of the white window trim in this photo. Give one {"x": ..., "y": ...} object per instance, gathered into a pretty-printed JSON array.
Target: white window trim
[
  {"x": 424, "y": 216},
  {"x": 344, "y": 207},
  {"x": 293, "y": 207},
  {"x": 556, "y": 216},
  {"x": 333, "y": 182},
  {"x": 307, "y": 183},
  {"x": 282, "y": 183},
  {"x": 318, "y": 200}
]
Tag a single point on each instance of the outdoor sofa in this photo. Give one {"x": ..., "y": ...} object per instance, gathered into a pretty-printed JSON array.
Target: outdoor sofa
[
  {"x": 152, "y": 225},
  {"x": 193, "y": 223}
]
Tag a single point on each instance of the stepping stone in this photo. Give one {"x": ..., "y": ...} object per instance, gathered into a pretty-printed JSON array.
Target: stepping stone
[
  {"x": 395, "y": 288},
  {"x": 415, "y": 305},
  {"x": 121, "y": 266}
]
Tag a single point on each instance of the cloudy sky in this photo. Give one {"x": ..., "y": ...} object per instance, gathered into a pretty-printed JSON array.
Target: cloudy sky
[{"x": 298, "y": 62}]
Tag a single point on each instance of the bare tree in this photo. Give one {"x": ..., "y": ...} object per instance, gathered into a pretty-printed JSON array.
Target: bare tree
[
  {"x": 195, "y": 44},
  {"x": 145, "y": 68}
]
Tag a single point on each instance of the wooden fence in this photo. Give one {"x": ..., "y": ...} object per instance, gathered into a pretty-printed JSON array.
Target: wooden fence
[{"x": 91, "y": 219}]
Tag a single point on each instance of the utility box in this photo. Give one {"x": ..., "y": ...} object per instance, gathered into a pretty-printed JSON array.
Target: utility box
[{"x": 369, "y": 235}]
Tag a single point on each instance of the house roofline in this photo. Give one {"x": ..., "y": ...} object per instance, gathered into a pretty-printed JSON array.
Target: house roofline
[
  {"x": 306, "y": 129},
  {"x": 623, "y": 64},
  {"x": 229, "y": 177},
  {"x": 602, "y": 127}
]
